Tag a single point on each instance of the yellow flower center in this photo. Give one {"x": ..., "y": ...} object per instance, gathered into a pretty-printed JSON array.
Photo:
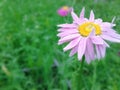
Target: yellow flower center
[
  {"x": 65, "y": 8},
  {"x": 86, "y": 28}
]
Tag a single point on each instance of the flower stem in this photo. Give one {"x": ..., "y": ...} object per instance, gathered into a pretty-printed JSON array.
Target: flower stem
[
  {"x": 77, "y": 78},
  {"x": 94, "y": 77}
]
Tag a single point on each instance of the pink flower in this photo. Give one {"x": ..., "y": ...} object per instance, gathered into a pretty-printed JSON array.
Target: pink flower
[
  {"x": 64, "y": 11},
  {"x": 87, "y": 36}
]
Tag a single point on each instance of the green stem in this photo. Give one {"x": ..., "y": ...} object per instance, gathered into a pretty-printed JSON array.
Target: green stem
[
  {"x": 77, "y": 80},
  {"x": 94, "y": 78}
]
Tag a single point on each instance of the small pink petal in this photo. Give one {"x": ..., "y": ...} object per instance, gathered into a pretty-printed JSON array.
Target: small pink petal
[
  {"x": 75, "y": 17},
  {"x": 67, "y": 25},
  {"x": 67, "y": 30},
  {"x": 66, "y": 33},
  {"x": 73, "y": 51},
  {"x": 102, "y": 49},
  {"x": 92, "y": 17},
  {"x": 68, "y": 38},
  {"x": 98, "y": 52},
  {"x": 71, "y": 31},
  {"x": 81, "y": 48},
  {"x": 82, "y": 13},
  {"x": 72, "y": 44},
  {"x": 87, "y": 57}
]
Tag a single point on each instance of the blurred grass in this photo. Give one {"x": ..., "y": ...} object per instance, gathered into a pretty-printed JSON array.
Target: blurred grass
[{"x": 30, "y": 58}]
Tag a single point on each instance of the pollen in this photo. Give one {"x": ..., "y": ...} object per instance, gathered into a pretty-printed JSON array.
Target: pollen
[
  {"x": 65, "y": 8},
  {"x": 86, "y": 28}
]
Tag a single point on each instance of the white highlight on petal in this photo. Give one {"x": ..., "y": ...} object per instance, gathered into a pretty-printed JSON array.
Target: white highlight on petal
[{"x": 81, "y": 48}]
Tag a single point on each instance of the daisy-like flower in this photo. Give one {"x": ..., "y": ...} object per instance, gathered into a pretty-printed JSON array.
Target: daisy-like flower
[
  {"x": 87, "y": 36},
  {"x": 64, "y": 11}
]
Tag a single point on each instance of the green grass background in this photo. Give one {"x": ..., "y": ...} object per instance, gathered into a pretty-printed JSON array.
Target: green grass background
[{"x": 30, "y": 58}]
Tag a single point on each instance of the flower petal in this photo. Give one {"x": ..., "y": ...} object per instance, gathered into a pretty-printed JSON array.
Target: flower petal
[
  {"x": 66, "y": 29},
  {"x": 102, "y": 49},
  {"x": 112, "y": 34},
  {"x": 81, "y": 47},
  {"x": 92, "y": 17},
  {"x": 89, "y": 52},
  {"x": 98, "y": 21},
  {"x": 90, "y": 49},
  {"x": 92, "y": 33},
  {"x": 107, "y": 25},
  {"x": 75, "y": 17},
  {"x": 98, "y": 52},
  {"x": 73, "y": 51},
  {"x": 107, "y": 45},
  {"x": 97, "y": 40},
  {"x": 72, "y": 44},
  {"x": 112, "y": 39},
  {"x": 87, "y": 57},
  {"x": 67, "y": 25},
  {"x": 107, "y": 29},
  {"x": 66, "y": 33},
  {"x": 68, "y": 38},
  {"x": 82, "y": 13}
]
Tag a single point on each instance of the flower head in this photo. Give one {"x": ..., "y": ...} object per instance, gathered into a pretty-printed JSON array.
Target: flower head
[
  {"x": 87, "y": 36},
  {"x": 64, "y": 11}
]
